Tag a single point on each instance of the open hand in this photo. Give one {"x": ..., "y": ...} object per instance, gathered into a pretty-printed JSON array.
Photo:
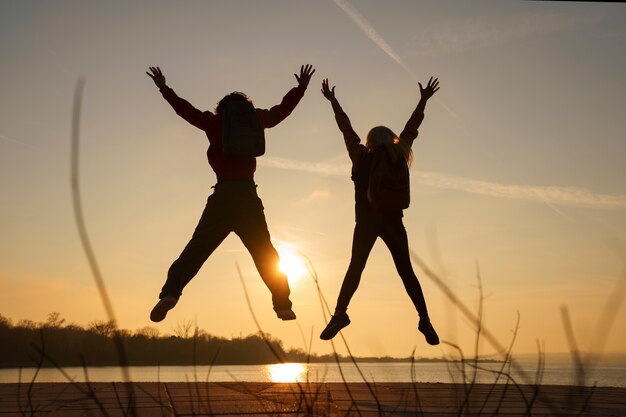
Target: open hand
[
  {"x": 329, "y": 93},
  {"x": 431, "y": 88},
  {"x": 157, "y": 76},
  {"x": 306, "y": 71}
]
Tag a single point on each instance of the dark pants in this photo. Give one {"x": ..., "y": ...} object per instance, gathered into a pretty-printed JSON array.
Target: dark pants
[
  {"x": 233, "y": 207},
  {"x": 392, "y": 232}
]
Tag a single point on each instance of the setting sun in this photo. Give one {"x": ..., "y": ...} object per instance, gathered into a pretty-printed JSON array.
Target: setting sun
[{"x": 291, "y": 263}]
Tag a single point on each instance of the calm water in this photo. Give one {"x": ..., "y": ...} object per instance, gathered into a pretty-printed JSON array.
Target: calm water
[{"x": 558, "y": 374}]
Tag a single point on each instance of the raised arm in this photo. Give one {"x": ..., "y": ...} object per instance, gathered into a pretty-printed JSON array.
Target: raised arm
[
  {"x": 409, "y": 133},
  {"x": 352, "y": 140},
  {"x": 181, "y": 106},
  {"x": 276, "y": 114}
]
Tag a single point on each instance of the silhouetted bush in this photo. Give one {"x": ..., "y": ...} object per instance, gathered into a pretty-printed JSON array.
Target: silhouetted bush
[{"x": 67, "y": 343}]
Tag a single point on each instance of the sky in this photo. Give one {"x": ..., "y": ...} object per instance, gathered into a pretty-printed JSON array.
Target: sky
[{"x": 518, "y": 181}]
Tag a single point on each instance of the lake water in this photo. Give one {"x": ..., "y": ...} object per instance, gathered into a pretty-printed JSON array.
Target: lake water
[{"x": 557, "y": 374}]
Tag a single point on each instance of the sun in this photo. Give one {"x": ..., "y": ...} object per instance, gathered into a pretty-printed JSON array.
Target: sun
[{"x": 291, "y": 263}]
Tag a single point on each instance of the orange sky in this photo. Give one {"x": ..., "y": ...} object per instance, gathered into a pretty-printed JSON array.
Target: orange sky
[{"x": 518, "y": 166}]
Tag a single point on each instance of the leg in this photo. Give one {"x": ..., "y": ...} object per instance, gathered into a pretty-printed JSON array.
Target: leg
[
  {"x": 251, "y": 228},
  {"x": 394, "y": 235},
  {"x": 212, "y": 229},
  {"x": 365, "y": 235}
]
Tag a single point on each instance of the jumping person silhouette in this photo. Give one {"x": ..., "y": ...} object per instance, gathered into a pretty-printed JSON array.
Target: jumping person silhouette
[
  {"x": 372, "y": 221},
  {"x": 234, "y": 206}
]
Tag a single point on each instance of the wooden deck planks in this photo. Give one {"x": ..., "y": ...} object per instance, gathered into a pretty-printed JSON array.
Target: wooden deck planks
[{"x": 319, "y": 399}]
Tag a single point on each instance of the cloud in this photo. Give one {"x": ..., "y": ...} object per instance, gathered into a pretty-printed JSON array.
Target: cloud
[
  {"x": 489, "y": 30},
  {"x": 550, "y": 195},
  {"x": 302, "y": 166},
  {"x": 317, "y": 195},
  {"x": 568, "y": 196}
]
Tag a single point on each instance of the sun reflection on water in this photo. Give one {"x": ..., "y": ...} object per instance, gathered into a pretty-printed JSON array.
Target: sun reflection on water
[{"x": 287, "y": 372}]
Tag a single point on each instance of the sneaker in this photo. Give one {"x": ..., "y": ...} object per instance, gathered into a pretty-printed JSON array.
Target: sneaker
[
  {"x": 428, "y": 331},
  {"x": 161, "y": 308},
  {"x": 286, "y": 314},
  {"x": 336, "y": 323}
]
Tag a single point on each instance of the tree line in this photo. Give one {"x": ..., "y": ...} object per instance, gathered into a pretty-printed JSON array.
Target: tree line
[{"x": 58, "y": 343}]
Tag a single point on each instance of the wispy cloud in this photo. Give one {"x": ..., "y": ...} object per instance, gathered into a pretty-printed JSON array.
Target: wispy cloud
[
  {"x": 551, "y": 195},
  {"x": 303, "y": 166},
  {"x": 484, "y": 31},
  {"x": 317, "y": 195}
]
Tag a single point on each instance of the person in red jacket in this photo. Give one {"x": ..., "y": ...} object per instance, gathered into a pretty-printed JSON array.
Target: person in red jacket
[{"x": 234, "y": 206}]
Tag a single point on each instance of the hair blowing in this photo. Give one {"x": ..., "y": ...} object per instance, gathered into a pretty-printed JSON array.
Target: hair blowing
[{"x": 383, "y": 136}]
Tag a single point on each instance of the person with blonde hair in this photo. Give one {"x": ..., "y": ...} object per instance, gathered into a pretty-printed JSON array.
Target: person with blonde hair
[{"x": 379, "y": 213}]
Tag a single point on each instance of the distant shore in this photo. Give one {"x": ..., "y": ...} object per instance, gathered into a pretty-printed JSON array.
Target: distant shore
[{"x": 316, "y": 360}]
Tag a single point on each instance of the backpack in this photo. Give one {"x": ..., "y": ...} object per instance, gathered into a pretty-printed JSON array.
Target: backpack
[
  {"x": 242, "y": 135},
  {"x": 389, "y": 183}
]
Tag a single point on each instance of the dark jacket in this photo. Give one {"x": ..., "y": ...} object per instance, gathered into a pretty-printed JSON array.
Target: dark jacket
[
  {"x": 360, "y": 157},
  {"x": 227, "y": 167}
]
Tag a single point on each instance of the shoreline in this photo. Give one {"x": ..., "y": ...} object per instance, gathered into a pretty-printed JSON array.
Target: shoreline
[
  {"x": 612, "y": 376},
  {"x": 342, "y": 361}
]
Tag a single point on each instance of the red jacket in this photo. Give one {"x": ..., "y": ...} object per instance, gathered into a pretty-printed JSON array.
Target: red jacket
[{"x": 228, "y": 167}]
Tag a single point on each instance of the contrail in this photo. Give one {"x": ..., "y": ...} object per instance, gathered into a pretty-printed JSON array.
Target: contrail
[
  {"x": 59, "y": 63},
  {"x": 549, "y": 195},
  {"x": 19, "y": 142},
  {"x": 371, "y": 33},
  {"x": 375, "y": 37}
]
